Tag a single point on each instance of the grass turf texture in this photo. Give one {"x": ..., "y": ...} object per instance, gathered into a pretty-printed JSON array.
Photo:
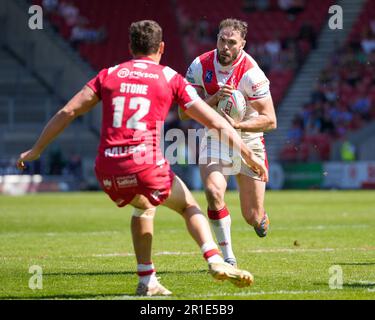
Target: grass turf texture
[{"x": 83, "y": 243}]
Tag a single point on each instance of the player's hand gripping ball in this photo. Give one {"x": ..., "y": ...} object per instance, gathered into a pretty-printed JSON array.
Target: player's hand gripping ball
[{"x": 234, "y": 106}]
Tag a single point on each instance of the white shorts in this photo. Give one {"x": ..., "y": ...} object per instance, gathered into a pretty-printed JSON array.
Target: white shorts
[{"x": 213, "y": 152}]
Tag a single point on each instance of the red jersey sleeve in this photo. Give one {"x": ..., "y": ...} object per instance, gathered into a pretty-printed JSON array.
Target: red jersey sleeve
[
  {"x": 183, "y": 92},
  {"x": 96, "y": 83}
]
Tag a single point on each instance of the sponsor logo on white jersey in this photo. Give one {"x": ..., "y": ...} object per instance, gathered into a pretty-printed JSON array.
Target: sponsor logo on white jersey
[
  {"x": 258, "y": 85},
  {"x": 126, "y": 73}
]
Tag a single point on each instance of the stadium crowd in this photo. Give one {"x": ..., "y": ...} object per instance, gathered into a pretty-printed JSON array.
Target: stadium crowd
[
  {"x": 68, "y": 20},
  {"x": 280, "y": 52},
  {"x": 342, "y": 101}
]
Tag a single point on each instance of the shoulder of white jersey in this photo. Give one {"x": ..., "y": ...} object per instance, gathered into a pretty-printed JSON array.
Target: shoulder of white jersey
[
  {"x": 251, "y": 59},
  {"x": 254, "y": 81},
  {"x": 255, "y": 73},
  {"x": 168, "y": 73},
  {"x": 194, "y": 72}
]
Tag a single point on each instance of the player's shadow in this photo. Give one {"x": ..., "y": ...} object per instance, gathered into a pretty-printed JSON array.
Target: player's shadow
[
  {"x": 353, "y": 285},
  {"x": 355, "y": 263},
  {"x": 118, "y": 295},
  {"x": 116, "y": 273},
  {"x": 359, "y": 285}
]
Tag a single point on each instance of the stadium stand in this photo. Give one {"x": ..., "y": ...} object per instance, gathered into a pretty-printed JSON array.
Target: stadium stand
[
  {"x": 280, "y": 43},
  {"x": 343, "y": 100},
  {"x": 278, "y": 40},
  {"x": 115, "y": 20},
  {"x": 24, "y": 102}
]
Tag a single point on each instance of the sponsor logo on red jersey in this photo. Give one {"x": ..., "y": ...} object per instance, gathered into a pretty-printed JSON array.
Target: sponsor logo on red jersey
[
  {"x": 107, "y": 183},
  {"x": 126, "y": 73},
  {"x": 127, "y": 181}
]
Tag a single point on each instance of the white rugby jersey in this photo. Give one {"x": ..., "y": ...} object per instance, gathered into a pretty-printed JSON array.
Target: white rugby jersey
[{"x": 206, "y": 72}]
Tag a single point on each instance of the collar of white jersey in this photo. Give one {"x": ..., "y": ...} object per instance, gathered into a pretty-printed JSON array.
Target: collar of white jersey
[{"x": 235, "y": 63}]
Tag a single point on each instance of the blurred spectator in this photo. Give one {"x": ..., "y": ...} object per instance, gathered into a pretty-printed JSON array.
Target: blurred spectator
[
  {"x": 317, "y": 95},
  {"x": 273, "y": 48},
  {"x": 328, "y": 126},
  {"x": 313, "y": 125},
  {"x": 292, "y": 7},
  {"x": 203, "y": 32},
  {"x": 295, "y": 133},
  {"x": 50, "y": 6},
  {"x": 82, "y": 33},
  {"x": 368, "y": 41},
  {"x": 56, "y": 162},
  {"x": 69, "y": 12},
  {"x": 347, "y": 150},
  {"x": 255, "y": 5},
  {"x": 372, "y": 26},
  {"x": 362, "y": 104},
  {"x": 330, "y": 92},
  {"x": 8, "y": 167},
  {"x": 307, "y": 32},
  {"x": 74, "y": 166}
]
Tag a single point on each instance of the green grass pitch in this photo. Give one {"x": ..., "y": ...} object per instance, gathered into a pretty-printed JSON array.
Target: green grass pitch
[{"x": 83, "y": 244}]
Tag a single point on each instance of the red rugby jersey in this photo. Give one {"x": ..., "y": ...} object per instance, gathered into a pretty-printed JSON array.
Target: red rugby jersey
[{"x": 136, "y": 97}]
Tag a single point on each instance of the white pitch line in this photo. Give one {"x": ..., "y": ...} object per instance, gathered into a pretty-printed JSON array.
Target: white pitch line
[
  {"x": 259, "y": 293},
  {"x": 234, "y": 294},
  {"x": 58, "y": 234},
  {"x": 271, "y": 250},
  {"x": 325, "y": 227},
  {"x": 177, "y": 253},
  {"x": 296, "y": 250},
  {"x": 99, "y": 233},
  {"x": 105, "y": 255}
]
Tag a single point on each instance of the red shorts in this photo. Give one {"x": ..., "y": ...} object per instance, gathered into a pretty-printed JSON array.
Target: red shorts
[{"x": 155, "y": 183}]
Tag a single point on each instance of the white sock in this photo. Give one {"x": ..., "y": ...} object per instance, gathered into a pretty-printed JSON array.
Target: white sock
[
  {"x": 211, "y": 252},
  {"x": 147, "y": 274},
  {"x": 221, "y": 228}
]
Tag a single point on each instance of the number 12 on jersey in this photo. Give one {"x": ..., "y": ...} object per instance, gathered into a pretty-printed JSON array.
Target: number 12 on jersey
[{"x": 142, "y": 105}]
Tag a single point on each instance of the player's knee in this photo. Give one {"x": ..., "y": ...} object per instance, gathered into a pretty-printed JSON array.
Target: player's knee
[
  {"x": 144, "y": 213},
  {"x": 214, "y": 195}
]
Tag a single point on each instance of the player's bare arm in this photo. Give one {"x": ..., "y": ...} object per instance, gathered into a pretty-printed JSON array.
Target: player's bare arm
[
  {"x": 181, "y": 113},
  {"x": 81, "y": 103},
  {"x": 266, "y": 120},
  {"x": 208, "y": 117}
]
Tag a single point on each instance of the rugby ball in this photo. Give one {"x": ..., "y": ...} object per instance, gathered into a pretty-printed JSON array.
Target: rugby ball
[{"x": 234, "y": 106}]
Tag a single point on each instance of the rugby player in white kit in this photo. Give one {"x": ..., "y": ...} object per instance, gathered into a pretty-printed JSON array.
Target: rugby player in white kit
[{"x": 215, "y": 74}]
